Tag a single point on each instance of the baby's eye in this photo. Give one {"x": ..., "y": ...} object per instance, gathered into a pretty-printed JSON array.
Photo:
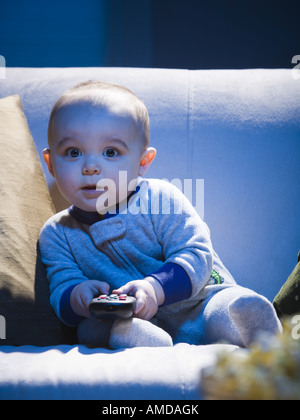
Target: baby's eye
[
  {"x": 110, "y": 152},
  {"x": 73, "y": 153}
]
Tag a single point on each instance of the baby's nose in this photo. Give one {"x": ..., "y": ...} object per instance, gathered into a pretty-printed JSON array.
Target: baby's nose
[
  {"x": 91, "y": 167},
  {"x": 91, "y": 171}
]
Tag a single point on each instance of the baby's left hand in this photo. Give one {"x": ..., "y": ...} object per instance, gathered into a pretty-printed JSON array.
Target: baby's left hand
[{"x": 149, "y": 296}]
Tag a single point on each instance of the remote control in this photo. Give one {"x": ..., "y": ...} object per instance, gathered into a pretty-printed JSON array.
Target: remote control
[{"x": 112, "y": 306}]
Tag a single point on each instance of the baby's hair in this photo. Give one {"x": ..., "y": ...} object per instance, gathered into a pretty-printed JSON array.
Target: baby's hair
[{"x": 105, "y": 95}]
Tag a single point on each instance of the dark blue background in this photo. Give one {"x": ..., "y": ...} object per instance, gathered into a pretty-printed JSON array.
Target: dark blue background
[{"x": 150, "y": 33}]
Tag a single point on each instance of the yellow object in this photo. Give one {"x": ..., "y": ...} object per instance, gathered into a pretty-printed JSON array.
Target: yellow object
[{"x": 269, "y": 370}]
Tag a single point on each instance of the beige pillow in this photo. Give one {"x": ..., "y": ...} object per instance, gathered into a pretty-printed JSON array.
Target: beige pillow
[{"x": 25, "y": 205}]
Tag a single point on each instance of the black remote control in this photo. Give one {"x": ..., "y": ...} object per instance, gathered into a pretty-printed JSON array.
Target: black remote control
[{"x": 112, "y": 306}]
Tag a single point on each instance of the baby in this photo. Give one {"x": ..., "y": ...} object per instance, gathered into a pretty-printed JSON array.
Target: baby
[{"x": 127, "y": 234}]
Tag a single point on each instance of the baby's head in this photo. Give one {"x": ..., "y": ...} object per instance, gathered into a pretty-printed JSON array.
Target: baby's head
[
  {"x": 98, "y": 138},
  {"x": 107, "y": 97}
]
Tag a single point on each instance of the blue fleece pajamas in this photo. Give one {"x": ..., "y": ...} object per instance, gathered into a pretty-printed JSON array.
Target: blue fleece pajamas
[{"x": 158, "y": 233}]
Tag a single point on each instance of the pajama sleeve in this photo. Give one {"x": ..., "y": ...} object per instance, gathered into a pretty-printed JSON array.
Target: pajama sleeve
[
  {"x": 62, "y": 270},
  {"x": 174, "y": 281}
]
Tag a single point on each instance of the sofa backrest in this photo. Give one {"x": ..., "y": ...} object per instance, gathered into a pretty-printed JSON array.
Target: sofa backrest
[{"x": 238, "y": 130}]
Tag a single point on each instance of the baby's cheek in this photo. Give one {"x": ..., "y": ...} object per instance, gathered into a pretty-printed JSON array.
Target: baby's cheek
[{"x": 66, "y": 185}]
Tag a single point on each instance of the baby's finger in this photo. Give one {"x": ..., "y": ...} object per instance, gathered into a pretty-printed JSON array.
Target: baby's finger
[
  {"x": 100, "y": 287},
  {"x": 126, "y": 289},
  {"x": 140, "y": 302}
]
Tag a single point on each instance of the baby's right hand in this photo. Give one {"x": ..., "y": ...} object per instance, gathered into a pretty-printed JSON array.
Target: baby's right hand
[{"x": 84, "y": 292}]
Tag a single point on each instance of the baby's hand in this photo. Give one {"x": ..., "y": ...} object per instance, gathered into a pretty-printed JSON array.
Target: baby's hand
[
  {"x": 83, "y": 293},
  {"x": 149, "y": 296}
]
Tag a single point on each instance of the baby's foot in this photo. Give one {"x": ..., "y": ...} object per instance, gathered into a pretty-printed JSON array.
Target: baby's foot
[
  {"x": 136, "y": 332},
  {"x": 254, "y": 314},
  {"x": 118, "y": 334}
]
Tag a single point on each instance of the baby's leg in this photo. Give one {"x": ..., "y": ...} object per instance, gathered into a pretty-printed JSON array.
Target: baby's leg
[
  {"x": 118, "y": 334},
  {"x": 238, "y": 315}
]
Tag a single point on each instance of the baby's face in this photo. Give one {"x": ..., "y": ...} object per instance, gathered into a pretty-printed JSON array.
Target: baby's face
[{"x": 90, "y": 146}]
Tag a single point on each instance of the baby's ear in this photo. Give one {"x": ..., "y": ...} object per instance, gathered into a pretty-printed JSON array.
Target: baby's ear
[
  {"x": 48, "y": 160},
  {"x": 146, "y": 160}
]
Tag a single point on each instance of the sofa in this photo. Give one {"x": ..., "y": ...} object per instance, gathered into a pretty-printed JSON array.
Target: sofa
[{"x": 231, "y": 138}]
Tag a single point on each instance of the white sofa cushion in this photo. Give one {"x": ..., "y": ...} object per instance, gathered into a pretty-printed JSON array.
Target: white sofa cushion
[{"x": 79, "y": 373}]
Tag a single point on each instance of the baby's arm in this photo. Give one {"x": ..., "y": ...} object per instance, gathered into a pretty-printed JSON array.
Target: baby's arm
[
  {"x": 149, "y": 295},
  {"x": 187, "y": 251},
  {"x": 186, "y": 256},
  {"x": 70, "y": 289}
]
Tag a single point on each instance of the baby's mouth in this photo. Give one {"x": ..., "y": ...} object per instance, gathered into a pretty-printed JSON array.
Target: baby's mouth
[
  {"x": 93, "y": 188},
  {"x": 89, "y": 187}
]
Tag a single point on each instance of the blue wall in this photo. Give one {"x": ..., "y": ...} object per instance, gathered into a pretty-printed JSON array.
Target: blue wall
[
  {"x": 62, "y": 33},
  {"x": 226, "y": 33},
  {"x": 150, "y": 33}
]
